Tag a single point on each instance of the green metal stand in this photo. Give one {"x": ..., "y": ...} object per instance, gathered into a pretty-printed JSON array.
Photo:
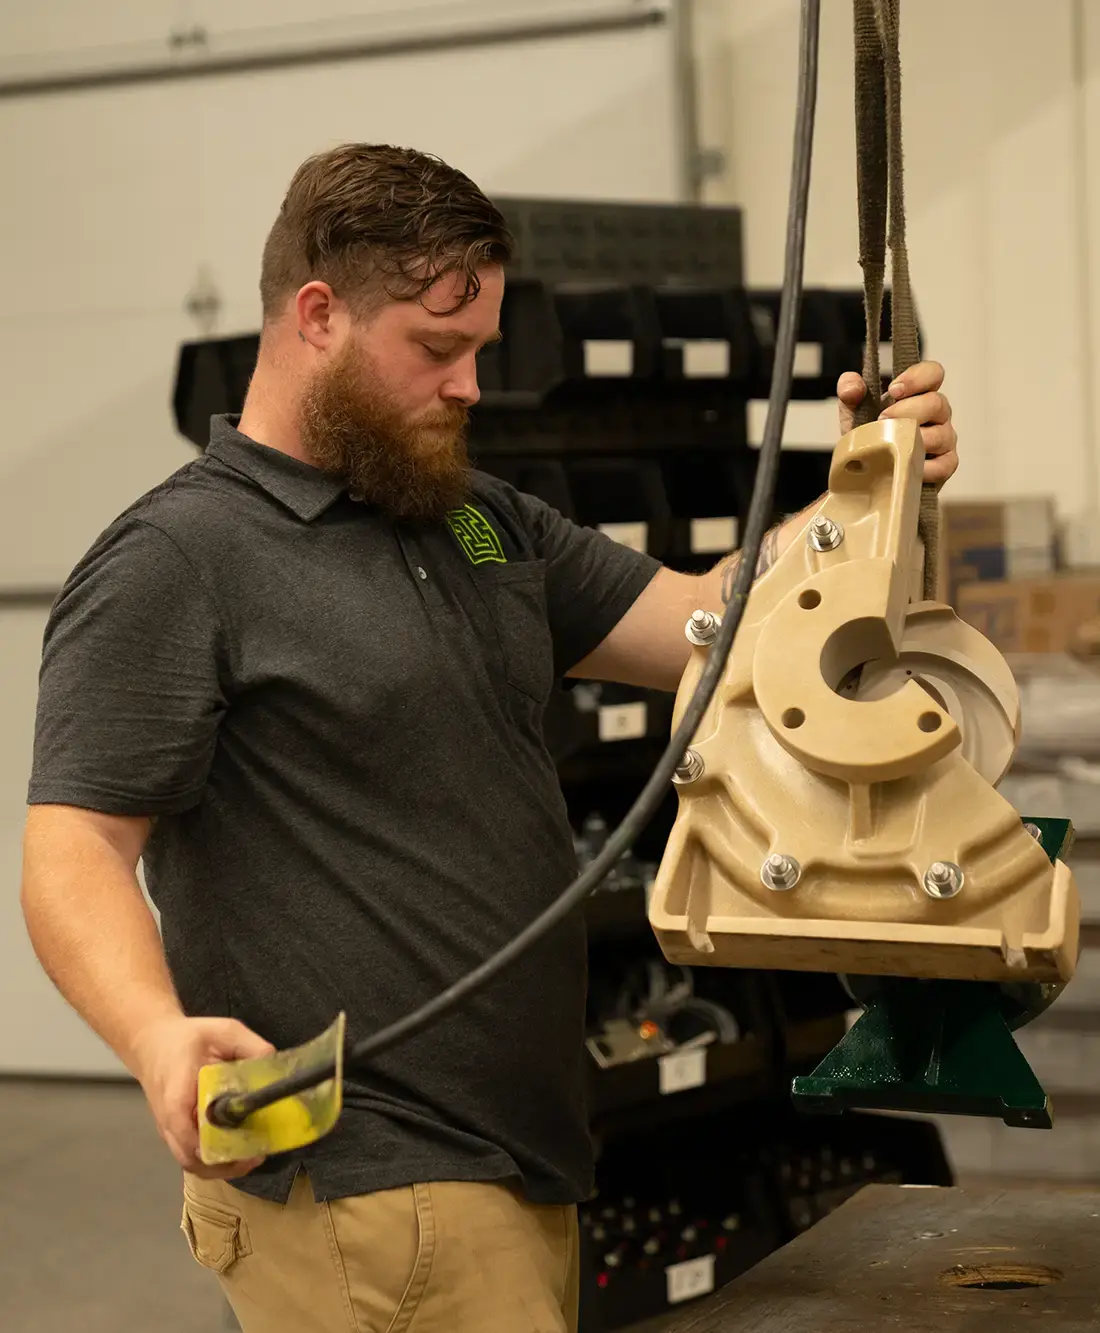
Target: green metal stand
[
  {"x": 940, "y": 1046},
  {"x": 929, "y": 1046}
]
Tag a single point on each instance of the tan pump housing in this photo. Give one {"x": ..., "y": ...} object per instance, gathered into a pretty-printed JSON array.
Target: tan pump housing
[{"x": 838, "y": 809}]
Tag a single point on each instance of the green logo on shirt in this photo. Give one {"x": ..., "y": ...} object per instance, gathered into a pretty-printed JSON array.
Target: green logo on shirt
[{"x": 476, "y": 536}]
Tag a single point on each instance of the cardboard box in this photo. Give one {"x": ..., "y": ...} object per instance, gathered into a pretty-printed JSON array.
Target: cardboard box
[
  {"x": 1079, "y": 541},
  {"x": 1031, "y": 615},
  {"x": 993, "y": 540}
]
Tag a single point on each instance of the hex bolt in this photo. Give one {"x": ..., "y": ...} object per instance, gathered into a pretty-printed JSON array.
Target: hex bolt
[
  {"x": 825, "y": 534},
  {"x": 702, "y": 628},
  {"x": 1035, "y": 831},
  {"x": 689, "y": 769},
  {"x": 943, "y": 879},
  {"x": 780, "y": 872}
]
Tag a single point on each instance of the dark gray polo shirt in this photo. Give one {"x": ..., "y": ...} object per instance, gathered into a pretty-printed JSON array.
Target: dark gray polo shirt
[{"x": 337, "y": 721}]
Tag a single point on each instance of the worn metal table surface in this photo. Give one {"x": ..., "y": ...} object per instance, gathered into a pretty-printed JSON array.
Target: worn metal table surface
[{"x": 926, "y": 1260}]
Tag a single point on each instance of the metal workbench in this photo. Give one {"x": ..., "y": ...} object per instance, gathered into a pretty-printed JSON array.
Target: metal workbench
[{"x": 926, "y": 1260}]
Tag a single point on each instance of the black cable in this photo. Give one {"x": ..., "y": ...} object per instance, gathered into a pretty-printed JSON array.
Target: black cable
[{"x": 231, "y": 1109}]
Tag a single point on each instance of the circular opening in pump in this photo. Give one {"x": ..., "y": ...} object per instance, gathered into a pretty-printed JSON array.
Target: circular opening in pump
[
  {"x": 1001, "y": 1277},
  {"x": 929, "y": 721},
  {"x": 855, "y": 465},
  {"x": 809, "y": 599},
  {"x": 793, "y": 717}
]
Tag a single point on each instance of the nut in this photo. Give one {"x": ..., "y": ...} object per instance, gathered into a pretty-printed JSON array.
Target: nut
[
  {"x": 780, "y": 872},
  {"x": 825, "y": 534},
  {"x": 702, "y": 628},
  {"x": 689, "y": 769},
  {"x": 943, "y": 879}
]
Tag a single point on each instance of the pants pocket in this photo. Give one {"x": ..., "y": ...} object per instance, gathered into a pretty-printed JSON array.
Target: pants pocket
[
  {"x": 216, "y": 1237},
  {"x": 384, "y": 1244}
]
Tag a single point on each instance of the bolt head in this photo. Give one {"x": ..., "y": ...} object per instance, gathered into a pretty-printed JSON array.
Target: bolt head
[
  {"x": 1035, "y": 831},
  {"x": 780, "y": 872},
  {"x": 943, "y": 879},
  {"x": 702, "y": 628},
  {"x": 825, "y": 534},
  {"x": 689, "y": 769}
]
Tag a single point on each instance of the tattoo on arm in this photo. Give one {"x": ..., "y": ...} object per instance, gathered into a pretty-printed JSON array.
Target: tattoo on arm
[
  {"x": 769, "y": 550},
  {"x": 728, "y": 575}
]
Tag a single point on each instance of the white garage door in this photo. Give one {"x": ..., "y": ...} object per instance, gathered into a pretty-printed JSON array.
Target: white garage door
[{"x": 124, "y": 196}]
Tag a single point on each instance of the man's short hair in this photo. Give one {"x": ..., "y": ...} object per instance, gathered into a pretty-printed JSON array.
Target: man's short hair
[{"x": 375, "y": 221}]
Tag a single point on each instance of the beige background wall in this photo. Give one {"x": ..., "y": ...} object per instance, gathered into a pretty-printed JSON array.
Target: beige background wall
[{"x": 997, "y": 177}]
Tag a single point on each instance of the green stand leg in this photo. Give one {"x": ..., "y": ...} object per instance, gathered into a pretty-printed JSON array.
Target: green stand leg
[
  {"x": 941, "y": 1046},
  {"x": 929, "y": 1046},
  {"x": 1055, "y": 836}
]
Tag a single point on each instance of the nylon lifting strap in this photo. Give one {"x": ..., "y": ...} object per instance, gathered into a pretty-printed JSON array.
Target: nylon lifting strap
[{"x": 881, "y": 190}]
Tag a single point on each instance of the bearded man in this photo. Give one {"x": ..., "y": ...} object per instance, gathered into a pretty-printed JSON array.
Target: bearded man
[{"x": 303, "y": 680}]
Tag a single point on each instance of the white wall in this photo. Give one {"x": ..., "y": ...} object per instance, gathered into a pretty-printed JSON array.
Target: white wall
[
  {"x": 38, "y": 1032},
  {"x": 130, "y": 194},
  {"x": 126, "y": 195},
  {"x": 1087, "y": 254},
  {"x": 72, "y": 32},
  {"x": 994, "y": 184}
]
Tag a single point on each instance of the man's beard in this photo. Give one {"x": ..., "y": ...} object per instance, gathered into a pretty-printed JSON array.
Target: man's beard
[{"x": 351, "y": 426}]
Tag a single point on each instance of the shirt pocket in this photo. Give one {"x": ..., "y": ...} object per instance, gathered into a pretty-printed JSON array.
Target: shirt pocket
[{"x": 516, "y": 594}]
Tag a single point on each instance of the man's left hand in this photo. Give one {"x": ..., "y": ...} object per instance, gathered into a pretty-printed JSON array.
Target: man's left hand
[{"x": 916, "y": 394}]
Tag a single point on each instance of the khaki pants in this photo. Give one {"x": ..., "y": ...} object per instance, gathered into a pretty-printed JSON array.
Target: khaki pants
[{"x": 443, "y": 1258}]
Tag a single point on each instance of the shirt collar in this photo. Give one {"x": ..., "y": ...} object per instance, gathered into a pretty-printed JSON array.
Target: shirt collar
[{"x": 304, "y": 489}]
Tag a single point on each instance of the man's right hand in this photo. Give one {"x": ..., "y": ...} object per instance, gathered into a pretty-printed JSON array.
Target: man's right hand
[{"x": 167, "y": 1057}]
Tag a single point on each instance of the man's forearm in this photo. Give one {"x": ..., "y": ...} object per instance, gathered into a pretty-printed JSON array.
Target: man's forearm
[
  {"x": 719, "y": 582},
  {"x": 648, "y": 646},
  {"x": 91, "y": 927}
]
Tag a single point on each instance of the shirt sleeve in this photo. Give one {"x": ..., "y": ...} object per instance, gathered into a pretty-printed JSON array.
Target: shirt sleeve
[
  {"x": 131, "y": 682},
  {"x": 591, "y": 581}
]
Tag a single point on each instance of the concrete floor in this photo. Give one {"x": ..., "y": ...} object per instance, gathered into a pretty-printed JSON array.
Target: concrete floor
[{"x": 89, "y": 1218}]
